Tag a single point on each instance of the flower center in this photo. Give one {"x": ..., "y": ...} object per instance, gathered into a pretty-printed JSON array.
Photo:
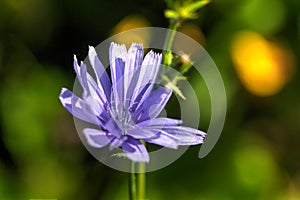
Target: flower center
[{"x": 122, "y": 117}]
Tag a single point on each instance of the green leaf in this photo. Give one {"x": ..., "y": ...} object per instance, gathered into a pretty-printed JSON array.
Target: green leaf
[
  {"x": 176, "y": 89},
  {"x": 196, "y": 5},
  {"x": 188, "y": 11},
  {"x": 185, "y": 67}
]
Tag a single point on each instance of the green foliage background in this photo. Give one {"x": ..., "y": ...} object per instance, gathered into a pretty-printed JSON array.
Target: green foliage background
[{"x": 41, "y": 156}]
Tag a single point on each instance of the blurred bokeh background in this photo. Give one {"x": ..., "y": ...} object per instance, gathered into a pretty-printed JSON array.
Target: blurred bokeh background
[{"x": 256, "y": 46}]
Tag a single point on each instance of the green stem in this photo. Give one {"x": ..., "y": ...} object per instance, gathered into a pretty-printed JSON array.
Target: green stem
[
  {"x": 169, "y": 41},
  {"x": 132, "y": 183},
  {"x": 141, "y": 180},
  {"x": 171, "y": 34},
  {"x": 137, "y": 181}
]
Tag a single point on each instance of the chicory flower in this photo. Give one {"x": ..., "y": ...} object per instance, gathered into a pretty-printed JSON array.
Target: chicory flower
[{"x": 126, "y": 105}]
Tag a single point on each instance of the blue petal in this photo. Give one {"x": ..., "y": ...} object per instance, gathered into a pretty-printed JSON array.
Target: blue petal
[
  {"x": 83, "y": 76},
  {"x": 140, "y": 133},
  {"x": 159, "y": 122},
  {"x": 134, "y": 60},
  {"x": 117, "y": 95},
  {"x": 92, "y": 95},
  {"x": 113, "y": 128},
  {"x": 79, "y": 72},
  {"x": 153, "y": 105},
  {"x": 76, "y": 66},
  {"x": 96, "y": 138},
  {"x": 103, "y": 80},
  {"x": 163, "y": 139},
  {"x": 186, "y": 135},
  {"x": 174, "y": 136},
  {"x": 117, "y": 55},
  {"x": 120, "y": 66},
  {"x": 77, "y": 107},
  {"x": 135, "y": 150},
  {"x": 147, "y": 74},
  {"x": 116, "y": 52},
  {"x": 138, "y": 100},
  {"x": 150, "y": 68},
  {"x": 87, "y": 82}
]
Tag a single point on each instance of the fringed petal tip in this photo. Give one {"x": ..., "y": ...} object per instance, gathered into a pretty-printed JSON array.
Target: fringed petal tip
[
  {"x": 173, "y": 136},
  {"x": 76, "y": 66},
  {"x": 117, "y": 51},
  {"x": 91, "y": 47},
  {"x": 120, "y": 50},
  {"x": 136, "y": 46},
  {"x": 189, "y": 136},
  {"x": 92, "y": 52},
  {"x": 116, "y": 46},
  {"x": 154, "y": 58}
]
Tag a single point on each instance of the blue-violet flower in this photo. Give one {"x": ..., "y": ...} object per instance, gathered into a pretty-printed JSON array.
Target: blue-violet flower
[{"x": 125, "y": 109}]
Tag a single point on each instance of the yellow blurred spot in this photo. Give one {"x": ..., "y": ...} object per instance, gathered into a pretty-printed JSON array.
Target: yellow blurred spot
[
  {"x": 129, "y": 23},
  {"x": 291, "y": 192},
  {"x": 262, "y": 66},
  {"x": 193, "y": 31}
]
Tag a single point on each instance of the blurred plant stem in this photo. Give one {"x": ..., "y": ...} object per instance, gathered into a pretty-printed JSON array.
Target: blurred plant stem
[
  {"x": 137, "y": 181},
  {"x": 132, "y": 183},
  {"x": 141, "y": 182},
  {"x": 168, "y": 57}
]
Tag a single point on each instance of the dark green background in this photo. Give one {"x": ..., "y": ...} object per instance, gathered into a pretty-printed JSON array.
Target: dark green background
[{"x": 41, "y": 156}]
